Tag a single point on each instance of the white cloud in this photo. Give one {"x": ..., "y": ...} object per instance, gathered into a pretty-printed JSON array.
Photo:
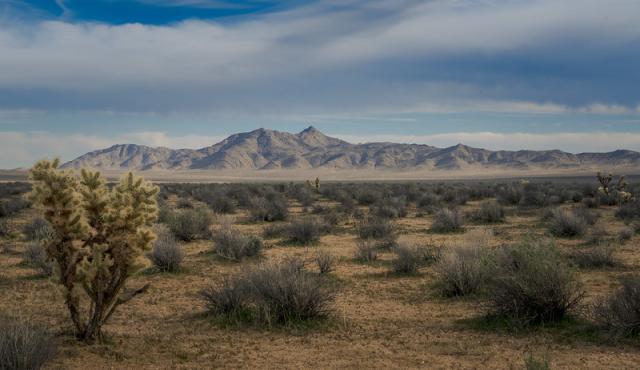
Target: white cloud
[{"x": 310, "y": 57}]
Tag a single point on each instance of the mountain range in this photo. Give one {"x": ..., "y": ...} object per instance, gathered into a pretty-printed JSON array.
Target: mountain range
[{"x": 264, "y": 149}]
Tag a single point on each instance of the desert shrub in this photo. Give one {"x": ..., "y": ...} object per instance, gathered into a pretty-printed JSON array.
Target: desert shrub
[
  {"x": 286, "y": 293},
  {"x": 390, "y": 208},
  {"x": 629, "y": 211},
  {"x": 597, "y": 235},
  {"x": 100, "y": 233},
  {"x": 625, "y": 234},
  {"x": 232, "y": 299},
  {"x": 533, "y": 363},
  {"x": 600, "y": 255},
  {"x": 619, "y": 312},
  {"x": 12, "y": 206},
  {"x": 184, "y": 203},
  {"x": 531, "y": 284},
  {"x": 589, "y": 216},
  {"x": 272, "y": 294},
  {"x": 566, "y": 223},
  {"x": 271, "y": 208},
  {"x": 234, "y": 245},
  {"x": 590, "y": 203},
  {"x": 325, "y": 261},
  {"x": 375, "y": 228},
  {"x": 446, "y": 220},
  {"x": 38, "y": 229},
  {"x": 428, "y": 201},
  {"x": 274, "y": 231},
  {"x": 533, "y": 196},
  {"x": 509, "y": 195},
  {"x": 166, "y": 253},
  {"x": 410, "y": 257},
  {"x": 24, "y": 346},
  {"x": 304, "y": 231},
  {"x": 191, "y": 224},
  {"x": 490, "y": 212},
  {"x": 5, "y": 229},
  {"x": 366, "y": 251},
  {"x": 217, "y": 200},
  {"x": 464, "y": 268},
  {"x": 35, "y": 255}
]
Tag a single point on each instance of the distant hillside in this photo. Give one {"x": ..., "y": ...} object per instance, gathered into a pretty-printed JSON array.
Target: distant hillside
[{"x": 264, "y": 149}]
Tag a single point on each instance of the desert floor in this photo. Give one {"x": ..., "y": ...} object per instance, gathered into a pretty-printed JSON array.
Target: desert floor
[{"x": 381, "y": 320}]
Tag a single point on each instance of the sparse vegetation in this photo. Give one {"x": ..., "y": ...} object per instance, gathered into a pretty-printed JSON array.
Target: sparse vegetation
[
  {"x": 446, "y": 221},
  {"x": 366, "y": 251},
  {"x": 24, "y": 346},
  {"x": 619, "y": 312},
  {"x": 566, "y": 223},
  {"x": 166, "y": 253},
  {"x": 490, "y": 212},
  {"x": 325, "y": 261},
  {"x": 531, "y": 284}
]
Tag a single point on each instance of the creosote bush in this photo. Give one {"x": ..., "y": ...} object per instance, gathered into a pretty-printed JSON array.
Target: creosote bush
[
  {"x": 379, "y": 229},
  {"x": 366, "y": 251},
  {"x": 166, "y": 253},
  {"x": 464, "y": 268},
  {"x": 325, "y": 261},
  {"x": 446, "y": 220},
  {"x": 35, "y": 256},
  {"x": 273, "y": 294},
  {"x": 490, "y": 212},
  {"x": 304, "y": 231},
  {"x": 531, "y": 284},
  {"x": 38, "y": 229},
  {"x": 599, "y": 255},
  {"x": 99, "y": 235},
  {"x": 24, "y": 346},
  {"x": 566, "y": 223},
  {"x": 233, "y": 245},
  {"x": 411, "y": 257},
  {"x": 191, "y": 224},
  {"x": 619, "y": 312}
]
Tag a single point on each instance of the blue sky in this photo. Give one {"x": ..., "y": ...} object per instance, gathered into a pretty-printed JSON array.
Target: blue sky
[{"x": 78, "y": 75}]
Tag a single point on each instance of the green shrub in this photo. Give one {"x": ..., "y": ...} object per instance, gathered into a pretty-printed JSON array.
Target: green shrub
[
  {"x": 532, "y": 284},
  {"x": 166, "y": 253},
  {"x": 191, "y": 224},
  {"x": 463, "y": 269},
  {"x": 304, "y": 231},
  {"x": 490, "y": 212},
  {"x": 566, "y": 223},
  {"x": 231, "y": 244},
  {"x": 446, "y": 220}
]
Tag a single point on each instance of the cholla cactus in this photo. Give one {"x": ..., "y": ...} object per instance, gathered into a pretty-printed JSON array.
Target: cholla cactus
[
  {"x": 99, "y": 237},
  {"x": 317, "y": 184},
  {"x": 604, "y": 182}
]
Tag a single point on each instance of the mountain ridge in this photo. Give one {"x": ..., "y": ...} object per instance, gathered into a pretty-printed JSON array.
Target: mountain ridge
[{"x": 264, "y": 149}]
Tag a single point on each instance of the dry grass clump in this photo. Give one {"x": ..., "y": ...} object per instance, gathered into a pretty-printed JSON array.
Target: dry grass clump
[
  {"x": 447, "y": 220},
  {"x": 599, "y": 255},
  {"x": 272, "y": 294},
  {"x": 409, "y": 258},
  {"x": 191, "y": 224},
  {"x": 465, "y": 268},
  {"x": 325, "y": 261},
  {"x": 234, "y": 245},
  {"x": 366, "y": 251},
  {"x": 619, "y": 313},
  {"x": 166, "y": 253},
  {"x": 304, "y": 231},
  {"x": 490, "y": 212},
  {"x": 566, "y": 223},
  {"x": 24, "y": 346},
  {"x": 531, "y": 284},
  {"x": 35, "y": 256},
  {"x": 38, "y": 229}
]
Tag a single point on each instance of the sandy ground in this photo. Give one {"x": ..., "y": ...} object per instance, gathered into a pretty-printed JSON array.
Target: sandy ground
[{"x": 381, "y": 320}]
